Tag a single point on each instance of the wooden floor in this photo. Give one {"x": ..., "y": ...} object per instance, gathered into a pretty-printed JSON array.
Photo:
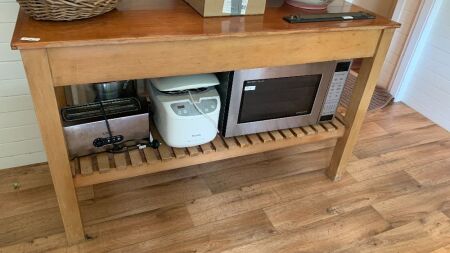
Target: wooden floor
[{"x": 394, "y": 198}]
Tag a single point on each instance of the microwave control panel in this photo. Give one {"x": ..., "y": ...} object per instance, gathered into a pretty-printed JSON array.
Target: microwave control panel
[{"x": 335, "y": 91}]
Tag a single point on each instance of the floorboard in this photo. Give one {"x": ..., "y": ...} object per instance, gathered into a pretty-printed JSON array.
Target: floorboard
[
  {"x": 432, "y": 173},
  {"x": 312, "y": 208},
  {"x": 403, "y": 159},
  {"x": 321, "y": 236},
  {"x": 415, "y": 206},
  {"x": 143, "y": 200},
  {"x": 399, "y": 140},
  {"x": 394, "y": 197},
  {"x": 211, "y": 237},
  {"x": 425, "y": 235}
]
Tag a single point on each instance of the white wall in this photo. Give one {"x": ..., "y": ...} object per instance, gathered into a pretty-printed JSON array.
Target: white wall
[
  {"x": 381, "y": 7},
  {"x": 405, "y": 13},
  {"x": 427, "y": 84},
  {"x": 20, "y": 142}
]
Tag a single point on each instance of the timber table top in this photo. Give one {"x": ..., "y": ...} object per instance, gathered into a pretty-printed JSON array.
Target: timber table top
[{"x": 169, "y": 20}]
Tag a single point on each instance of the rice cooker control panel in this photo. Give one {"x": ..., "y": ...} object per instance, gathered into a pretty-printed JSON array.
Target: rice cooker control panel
[{"x": 186, "y": 108}]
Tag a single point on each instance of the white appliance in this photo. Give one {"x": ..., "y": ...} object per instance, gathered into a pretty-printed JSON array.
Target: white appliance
[{"x": 185, "y": 108}]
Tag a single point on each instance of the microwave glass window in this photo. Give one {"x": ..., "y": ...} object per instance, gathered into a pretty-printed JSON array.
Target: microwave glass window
[{"x": 278, "y": 98}]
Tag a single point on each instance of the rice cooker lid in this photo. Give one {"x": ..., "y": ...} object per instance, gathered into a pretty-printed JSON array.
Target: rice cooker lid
[{"x": 178, "y": 83}]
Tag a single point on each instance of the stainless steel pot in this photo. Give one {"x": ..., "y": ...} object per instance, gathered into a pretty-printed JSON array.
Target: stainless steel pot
[
  {"x": 83, "y": 94},
  {"x": 110, "y": 90}
]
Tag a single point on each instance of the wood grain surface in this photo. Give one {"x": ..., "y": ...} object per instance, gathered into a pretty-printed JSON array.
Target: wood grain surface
[
  {"x": 139, "y": 21},
  {"x": 278, "y": 201},
  {"x": 45, "y": 101},
  {"x": 92, "y": 172},
  {"x": 359, "y": 103},
  {"x": 90, "y": 64},
  {"x": 165, "y": 38}
]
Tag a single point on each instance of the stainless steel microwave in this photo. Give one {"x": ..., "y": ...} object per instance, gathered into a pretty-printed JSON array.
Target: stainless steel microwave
[{"x": 266, "y": 99}]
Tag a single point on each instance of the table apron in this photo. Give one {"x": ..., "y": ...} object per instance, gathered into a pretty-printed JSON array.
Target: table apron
[{"x": 91, "y": 64}]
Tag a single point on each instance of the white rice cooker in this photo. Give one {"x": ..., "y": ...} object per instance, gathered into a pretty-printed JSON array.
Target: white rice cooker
[{"x": 185, "y": 108}]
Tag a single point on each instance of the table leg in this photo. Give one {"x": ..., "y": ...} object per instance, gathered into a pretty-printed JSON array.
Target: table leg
[
  {"x": 46, "y": 106},
  {"x": 360, "y": 100}
]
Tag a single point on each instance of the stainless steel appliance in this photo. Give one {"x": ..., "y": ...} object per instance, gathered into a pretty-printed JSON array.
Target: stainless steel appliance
[
  {"x": 266, "y": 99},
  {"x": 86, "y": 129}
]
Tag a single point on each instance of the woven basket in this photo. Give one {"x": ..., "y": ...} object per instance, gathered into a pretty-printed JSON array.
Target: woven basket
[{"x": 66, "y": 10}]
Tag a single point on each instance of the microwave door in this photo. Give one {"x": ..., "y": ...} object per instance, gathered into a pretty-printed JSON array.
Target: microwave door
[{"x": 278, "y": 98}]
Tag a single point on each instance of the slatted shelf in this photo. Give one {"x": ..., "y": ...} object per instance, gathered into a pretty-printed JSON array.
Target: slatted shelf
[{"x": 105, "y": 167}]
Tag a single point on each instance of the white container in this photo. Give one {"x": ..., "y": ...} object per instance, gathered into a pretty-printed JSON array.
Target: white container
[{"x": 180, "y": 122}]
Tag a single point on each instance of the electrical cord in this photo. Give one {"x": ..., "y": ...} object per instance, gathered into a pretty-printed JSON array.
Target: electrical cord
[
  {"x": 154, "y": 143},
  {"x": 123, "y": 147},
  {"x": 137, "y": 144},
  {"x": 102, "y": 109},
  {"x": 116, "y": 147},
  {"x": 213, "y": 123}
]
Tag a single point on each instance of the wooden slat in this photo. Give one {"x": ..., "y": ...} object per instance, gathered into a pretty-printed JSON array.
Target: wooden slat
[
  {"x": 265, "y": 137},
  {"x": 179, "y": 152},
  {"x": 218, "y": 144},
  {"x": 150, "y": 155},
  {"x": 308, "y": 130},
  {"x": 234, "y": 151},
  {"x": 243, "y": 141},
  {"x": 206, "y": 148},
  {"x": 193, "y": 151},
  {"x": 165, "y": 152},
  {"x": 319, "y": 129},
  {"x": 329, "y": 127},
  {"x": 230, "y": 142},
  {"x": 298, "y": 132},
  {"x": 254, "y": 139},
  {"x": 337, "y": 123},
  {"x": 86, "y": 167},
  {"x": 103, "y": 162},
  {"x": 135, "y": 157},
  {"x": 276, "y": 135},
  {"x": 287, "y": 133},
  {"x": 120, "y": 161}
]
